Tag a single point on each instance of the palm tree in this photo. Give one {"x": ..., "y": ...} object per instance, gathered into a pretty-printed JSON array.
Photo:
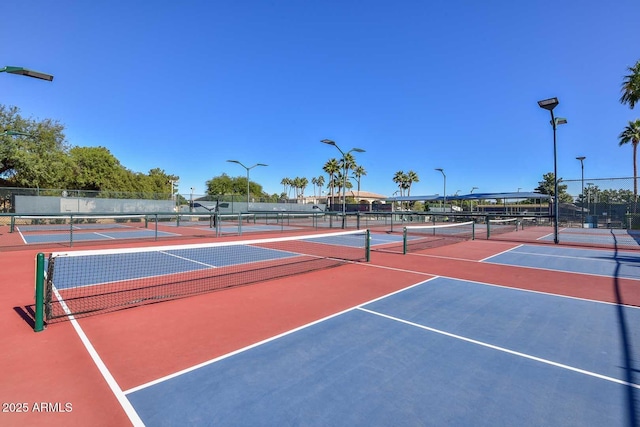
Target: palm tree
[
  {"x": 331, "y": 168},
  {"x": 631, "y": 86},
  {"x": 348, "y": 162},
  {"x": 285, "y": 182},
  {"x": 320, "y": 184},
  {"x": 314, "y": 182},
  {"x": 303, "y": 184},
  {"x": 400, "y": 178},
  {"x": 631, "y": 134},
  {"x": 359, "y": 172},
  {"x": 411, "y": 178}
]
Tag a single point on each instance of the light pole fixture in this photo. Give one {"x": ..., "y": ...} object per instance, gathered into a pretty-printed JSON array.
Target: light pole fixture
[
  {"x": 26, "y": 72},
  {"x": 345, "y": 168},
  {"x": 550, "y": 104},
  {"x": 248, "y": 169},
  {"x": 445, "y": 188},
  {"x": 581, "y": 158}
]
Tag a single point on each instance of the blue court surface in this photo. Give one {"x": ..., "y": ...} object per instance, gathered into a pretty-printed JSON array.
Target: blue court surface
[
  {"x": 84, "y": 236},
  {"x": 625, "y": 264},
  {"x": 444, "y": 352},
  {"x": 600, "y": 236}
]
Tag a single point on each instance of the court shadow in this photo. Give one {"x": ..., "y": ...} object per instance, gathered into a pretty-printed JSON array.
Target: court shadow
[
  {"x": 28, "y": 314},
  {"x": 627, "y": 350}
]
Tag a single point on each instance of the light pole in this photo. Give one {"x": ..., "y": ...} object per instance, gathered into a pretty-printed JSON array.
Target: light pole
[
  {"x": 345, "y": 167},
  {"x": 549, "y": 105},
  {"x": 248, "y": 169},
  {"x": 581, "y": 158},
  {"x": 445, "y": 188},
  {"x": 173, "y": 182},
  {"x": 471, "y": 201},
  {"x": 589, "y": 185},
  {"x": 26, "y": 72}
]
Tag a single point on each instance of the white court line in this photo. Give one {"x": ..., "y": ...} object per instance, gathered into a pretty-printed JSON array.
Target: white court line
[
  {"x": 106, "y": 374},
  {"x": 500, "y": 253},
  {"x": 100, "y": 234},
  {"x": 506, "y": 350}
]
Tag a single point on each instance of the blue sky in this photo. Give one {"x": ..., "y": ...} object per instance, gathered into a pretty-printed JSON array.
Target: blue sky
[{"x": 186, "y": 85}]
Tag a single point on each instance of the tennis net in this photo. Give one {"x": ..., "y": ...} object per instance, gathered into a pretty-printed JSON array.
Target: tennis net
[
  {"x": 429, "y": 236},
  {"x": 500, "y": 226},
  {"x": 83, "y": 282}
]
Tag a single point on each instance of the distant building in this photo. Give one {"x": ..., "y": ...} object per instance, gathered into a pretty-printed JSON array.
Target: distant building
[{"x": 365, "y": 199}]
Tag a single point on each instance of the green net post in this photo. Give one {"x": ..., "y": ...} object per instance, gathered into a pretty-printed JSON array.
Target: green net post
[
  {"x": 487, "y": 221},
  {"x": 473, "y": 230},
  {"x": 13, "y": 224},
  {"x": 39, "y": 320},
  {"x": 404, "y": 241},
  {"x": 368, "y": 245}
]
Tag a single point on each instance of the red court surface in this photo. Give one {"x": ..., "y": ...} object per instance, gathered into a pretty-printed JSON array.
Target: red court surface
[{"x": 53, "y": 370}]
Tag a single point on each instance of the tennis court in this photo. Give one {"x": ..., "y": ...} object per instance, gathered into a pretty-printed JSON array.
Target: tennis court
[
  {"x": 609, "y": 237},
  {"x": 476, "y": 333}
]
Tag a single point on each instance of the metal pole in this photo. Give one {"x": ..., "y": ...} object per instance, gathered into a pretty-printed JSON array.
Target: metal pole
[
  {"x": 555, "y": 182},
  {"x": 344, "y": 191},
  {"x": 445, "y": 191},
  {"x": 39, "y": 315},
  {"x": 582, "y": 194}
]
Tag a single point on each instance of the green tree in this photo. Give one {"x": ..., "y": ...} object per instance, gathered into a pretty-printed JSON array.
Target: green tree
[
  {"x": 220, "y": 185},
  {"x": 631, "y": 86},
  {"x": 547, "y": 186},
  {"x": 224, "y": 185},
  {"x": 95, "y": 168},
  {"x": 631, "y": 135},
  {"x": 37, "y": 159}
]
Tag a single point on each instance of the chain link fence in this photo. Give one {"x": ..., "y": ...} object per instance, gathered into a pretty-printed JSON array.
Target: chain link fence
[{"x": 600, "y": 203}]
